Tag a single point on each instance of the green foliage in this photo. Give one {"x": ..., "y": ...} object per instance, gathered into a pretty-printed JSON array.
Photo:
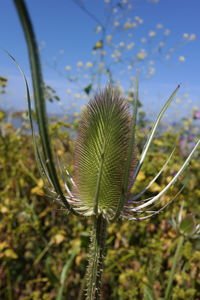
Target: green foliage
[
  {"x": 187, "y": 225},
  {"x": 33, "y": 232},
  {"x": 65, "y": 272}
]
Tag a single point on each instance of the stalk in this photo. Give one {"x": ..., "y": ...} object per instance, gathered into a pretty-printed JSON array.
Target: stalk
[
  {"x": 39, "y": 98},
  {"x": 173, "y": 269},
  {"x": 9, "y": 286},
  {"x": 96, "y": 258}
]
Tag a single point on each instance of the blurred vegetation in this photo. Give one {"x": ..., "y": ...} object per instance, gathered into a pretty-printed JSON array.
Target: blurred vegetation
[{"x": 43, "y": 251}]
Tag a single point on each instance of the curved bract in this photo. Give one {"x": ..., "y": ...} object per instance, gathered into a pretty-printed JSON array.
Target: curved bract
[{"x": 101, "y": 153}]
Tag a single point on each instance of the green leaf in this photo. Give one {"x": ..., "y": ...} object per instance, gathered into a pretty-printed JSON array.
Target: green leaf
[
  {"x": 65, "y": 272},
  {"x": 101, "y": 153},
  {"x": 88, "y": 89},
  {"x": 187, "y": 225},
  {"x": 39, "y": 97}
]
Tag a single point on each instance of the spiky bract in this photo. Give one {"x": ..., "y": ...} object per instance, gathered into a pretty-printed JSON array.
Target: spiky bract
[{"x": 101, "y": 153}]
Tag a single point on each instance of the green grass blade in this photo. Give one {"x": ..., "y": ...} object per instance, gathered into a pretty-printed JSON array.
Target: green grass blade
[
  {"x": 176, "y": 258},
  {"x": 65, "y": 272},
  {"x": 38, "y": 88},
  {"x": 148, "y": 293}
]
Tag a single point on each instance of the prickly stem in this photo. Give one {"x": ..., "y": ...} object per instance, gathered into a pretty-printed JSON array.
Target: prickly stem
[{"x": 96, "y": 258}]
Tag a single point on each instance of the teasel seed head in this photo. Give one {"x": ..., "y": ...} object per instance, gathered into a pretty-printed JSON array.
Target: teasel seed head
[{"x": 101, "y": 153}]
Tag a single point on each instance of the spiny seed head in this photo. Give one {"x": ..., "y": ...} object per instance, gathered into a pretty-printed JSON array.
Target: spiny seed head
[{"x": 101, "y": 153}]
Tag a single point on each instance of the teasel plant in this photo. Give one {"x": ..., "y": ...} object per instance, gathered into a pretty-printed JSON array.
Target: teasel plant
[{"x": 106, "y": 166}]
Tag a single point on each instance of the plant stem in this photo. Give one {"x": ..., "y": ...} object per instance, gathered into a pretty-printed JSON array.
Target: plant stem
[
  {"x": 81, "y": 295},
  {"x": 40, "y": 105},
  {"x": 173, "y": 269},
  {"x": 9, "y": 285},
  {"x": 96, "y": 257}
]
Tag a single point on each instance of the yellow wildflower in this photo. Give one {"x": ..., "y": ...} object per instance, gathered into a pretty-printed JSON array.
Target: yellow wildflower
[
  {"x": 9, "y": 253},
  {"x": 141, "y": 55},
  {"x": 152, "y": 33},
  {"x": 79, "y": 63},
  {"x": 155, "y": 188},
  {"x": 141, "y": 176},
  {"x": 89, "y": 64},
  {"x": 68, "y": 68},
  {"x": 58, "y": 238},
  {"x": 127, "y": 25},
  {"x": 98, "y": 45},
  {"x": 185, "y": 35},
  {"x": 130, "y": 46},
  {"x": 181, "y": 58},
  {"x": 3, "y": 245}
]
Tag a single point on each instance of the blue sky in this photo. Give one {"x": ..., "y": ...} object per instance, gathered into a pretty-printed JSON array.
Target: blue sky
[{"x": 67, "y": 35}]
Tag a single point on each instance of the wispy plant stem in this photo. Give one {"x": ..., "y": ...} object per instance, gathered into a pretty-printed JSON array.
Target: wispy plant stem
[
  {"x": 173, "y": 269},
  {"x": 96, "y": 257}
]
